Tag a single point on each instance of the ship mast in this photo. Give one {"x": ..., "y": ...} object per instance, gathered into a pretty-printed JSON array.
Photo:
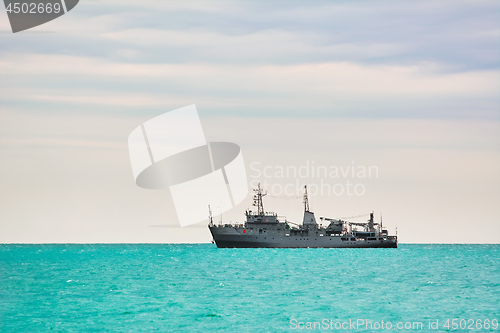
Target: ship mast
[
  {"x": 370, "y": 222},
  {"x": 210, "y": 220},
  {"x": 257, "y": 200},
  {"x": 306, "y": 200}
]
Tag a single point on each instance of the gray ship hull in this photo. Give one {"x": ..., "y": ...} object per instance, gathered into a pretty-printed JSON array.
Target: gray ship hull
[{"x": 226, "y": 237}]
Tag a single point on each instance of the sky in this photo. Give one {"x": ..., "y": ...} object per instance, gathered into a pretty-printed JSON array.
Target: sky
[{"x": 412, "y": 88}]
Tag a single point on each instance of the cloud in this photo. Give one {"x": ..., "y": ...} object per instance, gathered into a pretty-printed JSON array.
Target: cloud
[
  {"x": 320, "y": 89},
  {"x": 458, "y": 35},
  {"x": 332, "y": 77}
]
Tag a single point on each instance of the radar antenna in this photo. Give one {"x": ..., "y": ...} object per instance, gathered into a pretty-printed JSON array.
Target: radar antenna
[
  {"x": 306, "y": 200},
  {"x": 257, "y": 200}
]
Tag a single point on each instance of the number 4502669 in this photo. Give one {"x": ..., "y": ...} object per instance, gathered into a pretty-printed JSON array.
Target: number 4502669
[
  {"x": 471, "y": 324},
  {"x": 33, "y": 8}
]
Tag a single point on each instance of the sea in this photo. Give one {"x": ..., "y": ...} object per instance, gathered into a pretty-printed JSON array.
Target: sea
[{"x": 200, "y": 288}]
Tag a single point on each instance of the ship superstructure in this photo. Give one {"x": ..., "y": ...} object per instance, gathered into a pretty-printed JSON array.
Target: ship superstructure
[{"x": 264, "y": 229}]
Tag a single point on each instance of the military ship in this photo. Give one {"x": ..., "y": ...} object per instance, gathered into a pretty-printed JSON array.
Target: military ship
[{"x": 264, "y": 229}]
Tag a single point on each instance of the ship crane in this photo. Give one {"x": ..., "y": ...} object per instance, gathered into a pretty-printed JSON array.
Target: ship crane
[
  {"x": 328, "y": 219},
  {"x": 368, "y": 226}
]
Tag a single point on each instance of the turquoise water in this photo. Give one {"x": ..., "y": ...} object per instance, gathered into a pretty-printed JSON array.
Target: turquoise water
[{"x": 199, "y": 288}]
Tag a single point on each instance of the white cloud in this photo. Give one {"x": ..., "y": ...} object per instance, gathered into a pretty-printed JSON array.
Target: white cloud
[{"x": 299, "y": 83}]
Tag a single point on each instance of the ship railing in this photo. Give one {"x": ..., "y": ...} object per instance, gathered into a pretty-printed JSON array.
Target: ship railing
[{"x": 228, "y": 225}]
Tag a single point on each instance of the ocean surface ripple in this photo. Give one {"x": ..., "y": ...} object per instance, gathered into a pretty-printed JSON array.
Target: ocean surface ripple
[{"x": 197, "y": 287}]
